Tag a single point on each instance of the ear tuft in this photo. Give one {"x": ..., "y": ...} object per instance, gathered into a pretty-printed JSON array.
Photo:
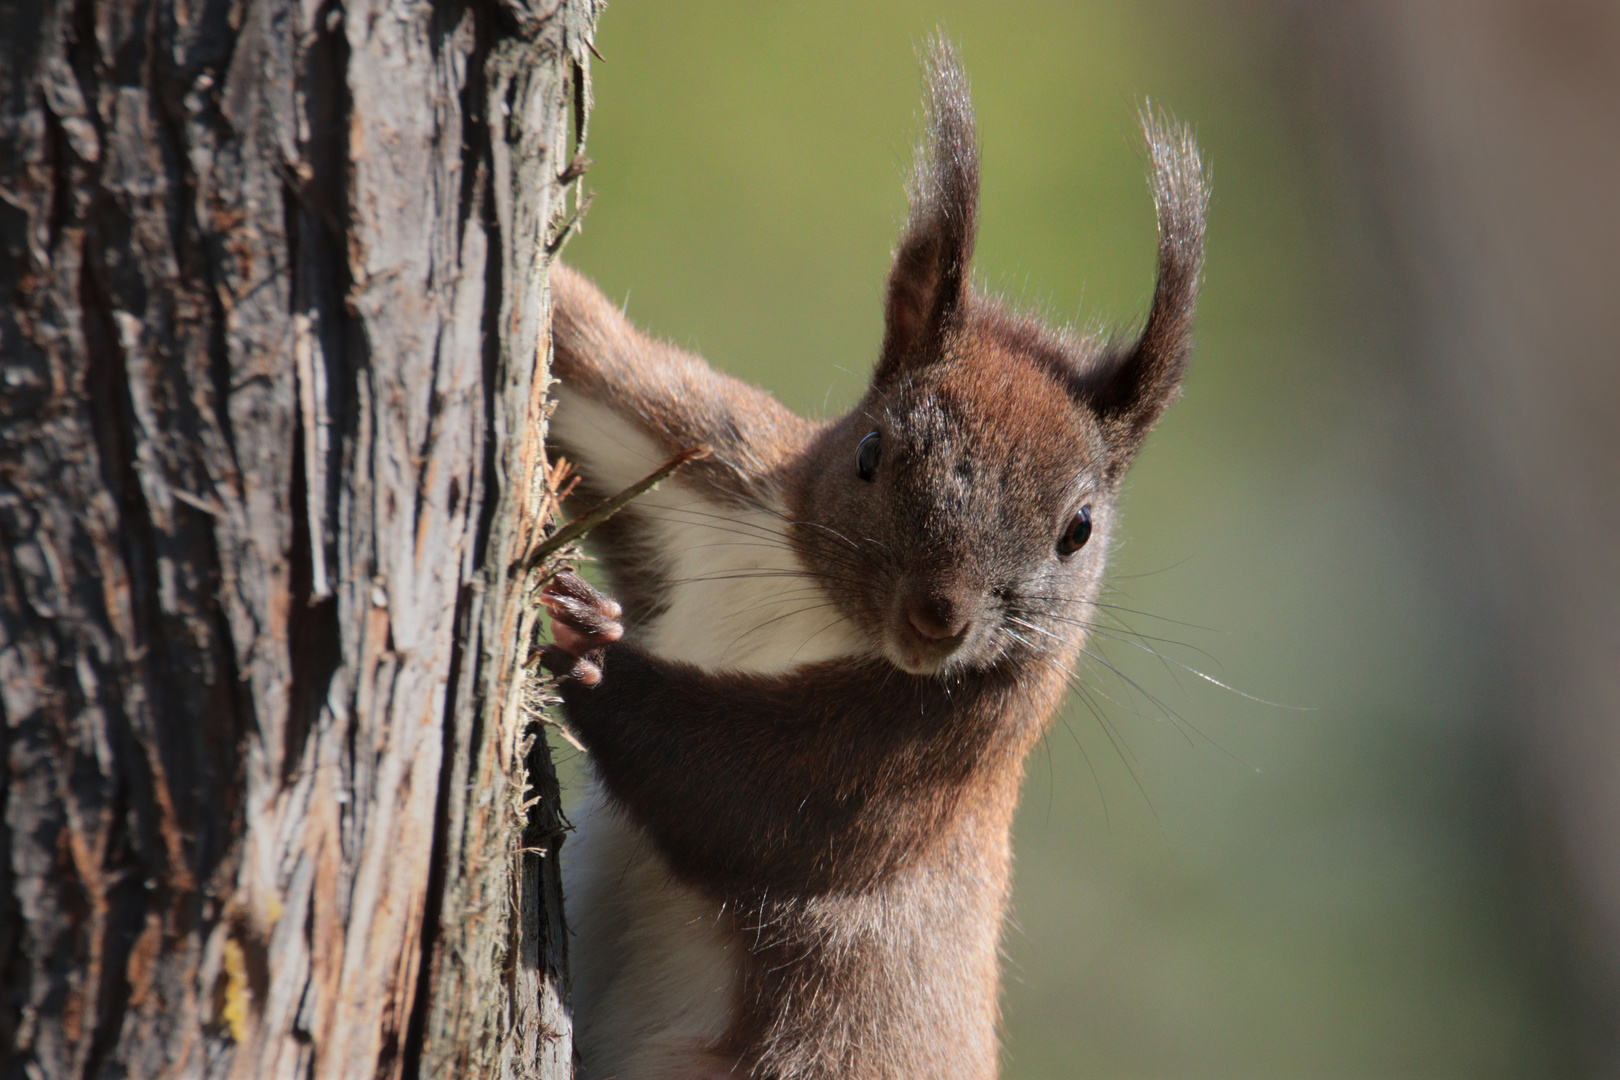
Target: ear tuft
[
  {"x": 928, "y": 281},
  {"x": 1130, "y": 386}
]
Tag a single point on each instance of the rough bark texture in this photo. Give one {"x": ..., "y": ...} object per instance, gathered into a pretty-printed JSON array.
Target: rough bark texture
[
  {"x": 1487, "y": 135},
  {"x": 271, "y": 390}
]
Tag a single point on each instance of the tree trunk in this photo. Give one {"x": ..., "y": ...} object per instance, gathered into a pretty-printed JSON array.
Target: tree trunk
[{"x": 271, "y": 413}]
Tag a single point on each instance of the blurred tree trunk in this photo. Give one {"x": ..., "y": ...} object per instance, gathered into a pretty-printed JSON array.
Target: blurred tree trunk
[
  {"x": 271, "y": 417},
  {"x": 1487, "y": 133}
]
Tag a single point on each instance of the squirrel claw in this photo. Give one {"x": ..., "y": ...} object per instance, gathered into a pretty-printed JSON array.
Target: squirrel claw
[
  {"x": 566, "y": 665},
  {"x": 583, "y": 623},
  {"x": 575, "y": 604}
]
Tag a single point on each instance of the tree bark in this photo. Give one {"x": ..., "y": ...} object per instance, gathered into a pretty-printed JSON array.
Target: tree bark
[{"x": 272, "y": 388}]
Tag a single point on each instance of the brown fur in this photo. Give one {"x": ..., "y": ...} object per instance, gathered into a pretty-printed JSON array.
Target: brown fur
[{"x": 853, "y": 817}]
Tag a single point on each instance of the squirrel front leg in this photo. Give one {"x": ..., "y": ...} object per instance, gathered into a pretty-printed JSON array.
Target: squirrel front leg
[
  {"x": 627, "y": 403},
  {"x": 698, "y": 561}
]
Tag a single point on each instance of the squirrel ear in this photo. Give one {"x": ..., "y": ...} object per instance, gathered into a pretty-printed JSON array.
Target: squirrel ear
[
  {"x": 1130, "y": 386},
  {"x": 929, "y": 279}
]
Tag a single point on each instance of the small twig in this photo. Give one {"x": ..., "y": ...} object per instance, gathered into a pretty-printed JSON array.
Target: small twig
[
  {"x": 573, "y": 225},
  {"x": 207, "y": 506},
  {"x": 568, "y": 736},
  {"x": 608, "y": 507},
  {"x": 576, "y": 169}
]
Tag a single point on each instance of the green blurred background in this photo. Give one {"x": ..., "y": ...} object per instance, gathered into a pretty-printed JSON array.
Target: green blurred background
[{"x": 1207, "y": 885}]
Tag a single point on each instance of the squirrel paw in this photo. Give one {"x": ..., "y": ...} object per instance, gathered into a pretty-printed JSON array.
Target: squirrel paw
[{"x": 583, "y": 624}]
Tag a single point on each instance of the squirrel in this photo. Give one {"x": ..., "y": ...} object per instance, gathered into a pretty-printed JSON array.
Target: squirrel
[{"x": 837, "y": 643}]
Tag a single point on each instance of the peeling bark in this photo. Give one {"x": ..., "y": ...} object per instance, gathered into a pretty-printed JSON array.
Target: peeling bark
[{"x": 271, "y": 417}]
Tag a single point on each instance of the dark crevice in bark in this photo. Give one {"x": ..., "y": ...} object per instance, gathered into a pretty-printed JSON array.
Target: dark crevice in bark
[
  {"x": 322, "y": 281},
  {"x": 475, "y": 137},
  {"x": 20, "y": 26},
  {"x": 491, "y": 479},
  {"x": 109, "y": 408},
  {"x": 433, "y": 912},
  {"x": 84, "y": 55},
  {"x": 58, "y": 151},
  {"x": 581, "y": 118},
  {"x": 12, "y": 975},
  {"x": 107, "y": 398},
  {"x": 314, "y": 640},
  {"x": 544, "y": 831},
  {"x": 483, "y": 197},
  {"x": 13, "y": 259},
  {"x": 127, "y": 904},
  {"x": 474, "y": 194},
  {"x": 326, "y": 62}
]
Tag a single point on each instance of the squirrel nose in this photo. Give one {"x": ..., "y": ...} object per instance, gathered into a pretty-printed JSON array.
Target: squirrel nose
[{"x": 936, "y": 618}]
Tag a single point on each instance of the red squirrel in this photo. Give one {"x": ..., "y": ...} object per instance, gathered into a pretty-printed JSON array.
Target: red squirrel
[{"x": 839, "y": 642}]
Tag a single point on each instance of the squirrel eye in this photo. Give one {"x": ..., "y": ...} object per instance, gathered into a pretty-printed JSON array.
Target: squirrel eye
[
  {"x": 867, "y": 456},
  {"x": 1075, "y": 536}
]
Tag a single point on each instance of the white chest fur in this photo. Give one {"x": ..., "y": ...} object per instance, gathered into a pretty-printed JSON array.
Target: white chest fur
[
  {"x": 655, "y": 966},
  {"x": 738, "y": 599}
]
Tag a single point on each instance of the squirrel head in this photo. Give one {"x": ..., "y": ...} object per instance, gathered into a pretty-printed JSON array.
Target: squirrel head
[{"x": 962, "y": 511}]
